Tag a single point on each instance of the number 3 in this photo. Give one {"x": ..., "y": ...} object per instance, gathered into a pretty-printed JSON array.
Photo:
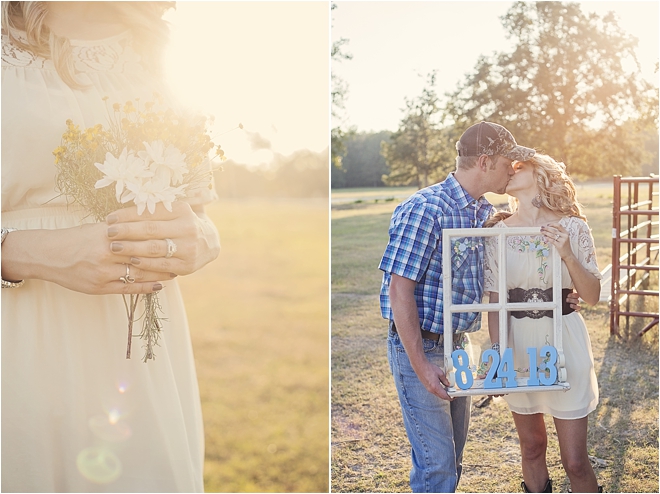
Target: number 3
[
  {"x": 548, "y": 370},
  {"x": 544, "y": 374}
]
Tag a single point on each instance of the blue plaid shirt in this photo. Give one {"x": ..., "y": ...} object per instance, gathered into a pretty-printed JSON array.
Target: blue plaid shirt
[{"x": 415, "y": 252}]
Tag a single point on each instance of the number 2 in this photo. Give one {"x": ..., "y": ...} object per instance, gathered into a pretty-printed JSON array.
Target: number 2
[{"x": 504, "y": 368}]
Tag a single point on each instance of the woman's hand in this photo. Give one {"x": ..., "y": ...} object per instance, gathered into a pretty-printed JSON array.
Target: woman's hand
[
  {"x": 77, "y": 258},
  {"x": 140, "y": 240},
  {"x": 573, "y": 299},
  {"x": 555, "y": 234},
  {"x": 587, "y": 285}
]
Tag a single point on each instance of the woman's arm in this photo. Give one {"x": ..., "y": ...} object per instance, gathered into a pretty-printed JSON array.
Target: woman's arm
[
  {"x": 494, "y": 319},
  {"x": 586, "y": 283},
  {"x": 78, "y": 258},
  {"x": 92, "y": 258}
]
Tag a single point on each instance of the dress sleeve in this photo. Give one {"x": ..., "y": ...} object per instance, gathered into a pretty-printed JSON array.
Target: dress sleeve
[
  {"x": 586, "y": 251},
  {"x": 491, "y": 271}
]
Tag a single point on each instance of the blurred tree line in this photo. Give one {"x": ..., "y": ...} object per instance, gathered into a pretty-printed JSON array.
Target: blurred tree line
[
  {"x": 362, "y": 165},
  {"x": 339, "y": 91},
  {"x": 302, "y": 174},
  {"x": 564, "y": 90}
]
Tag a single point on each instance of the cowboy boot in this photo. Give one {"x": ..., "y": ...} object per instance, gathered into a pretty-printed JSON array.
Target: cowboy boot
[
  {"x": 600, "y": 489},
  {"x": 547, "y": 488}
]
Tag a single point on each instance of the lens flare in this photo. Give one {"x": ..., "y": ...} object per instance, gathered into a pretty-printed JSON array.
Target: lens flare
[
  {"x": 114, "y": 416},
  {"x": 98, "y": 465},
  {"x": 109, "y": 427}
]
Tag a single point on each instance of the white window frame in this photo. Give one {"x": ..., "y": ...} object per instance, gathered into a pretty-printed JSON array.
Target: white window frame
[{"x": 502, "y": 307}]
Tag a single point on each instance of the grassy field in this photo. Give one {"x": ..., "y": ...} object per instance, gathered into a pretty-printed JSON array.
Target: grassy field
[
  {"x": 259, "y": 323},
  {"x": 370, "y": 451}
]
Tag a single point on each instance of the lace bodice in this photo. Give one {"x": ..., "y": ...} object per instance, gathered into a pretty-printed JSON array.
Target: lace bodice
[
  {"x": 114, "y": 54},
  {"x": 36, "y": 103},
  {"x": 529, "y": 260}
]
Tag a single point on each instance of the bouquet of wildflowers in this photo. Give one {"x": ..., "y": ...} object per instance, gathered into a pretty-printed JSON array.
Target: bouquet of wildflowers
[{"x": 150, "y": 155}]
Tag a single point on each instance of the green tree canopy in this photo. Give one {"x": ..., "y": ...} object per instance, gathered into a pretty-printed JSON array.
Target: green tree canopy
[
  {"x": 418, "y": 152},
  {"x": 339, "y": 92},
  {"x": 362, "y": 165},
  {"x": 567, "y": 89}
]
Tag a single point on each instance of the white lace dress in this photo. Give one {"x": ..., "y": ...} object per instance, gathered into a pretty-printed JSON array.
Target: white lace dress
[
  {"x": 77, "y": 416},
  {"x": 529, "y": 265}
]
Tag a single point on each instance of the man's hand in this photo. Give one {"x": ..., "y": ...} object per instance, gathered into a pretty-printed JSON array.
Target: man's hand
[
  {"x": 404, "y": 307},
  {"x": 433, "y": 378},
  {"x": 573, "y": 299}
]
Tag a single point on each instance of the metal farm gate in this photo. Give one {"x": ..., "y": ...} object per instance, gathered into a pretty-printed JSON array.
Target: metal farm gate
[{"x": 634, "y": 250}]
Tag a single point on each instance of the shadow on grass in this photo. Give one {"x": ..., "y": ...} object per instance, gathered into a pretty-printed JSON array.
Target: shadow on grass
[{"x": 624, "y": 430}]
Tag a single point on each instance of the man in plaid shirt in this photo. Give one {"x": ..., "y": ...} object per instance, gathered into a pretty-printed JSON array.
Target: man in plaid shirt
[{"x": 411, "y": 298}]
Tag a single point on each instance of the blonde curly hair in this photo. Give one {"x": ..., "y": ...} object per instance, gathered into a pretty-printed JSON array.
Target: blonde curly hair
[
  {"x": 556, "y": 190},
  {"x": 143, "y": 19}
]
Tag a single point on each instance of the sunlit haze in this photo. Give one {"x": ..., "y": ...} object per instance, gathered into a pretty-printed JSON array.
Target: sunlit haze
[
  {"x": 393, "y": 42},
  {"x": 262, "y": 64}
]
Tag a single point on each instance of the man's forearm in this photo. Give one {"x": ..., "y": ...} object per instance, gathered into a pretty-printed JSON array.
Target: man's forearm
[{"x": 406, "y": 318}]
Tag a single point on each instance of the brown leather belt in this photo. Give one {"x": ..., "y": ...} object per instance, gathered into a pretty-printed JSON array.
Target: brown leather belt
[
  {"x": 538, "y": 295},
  {"x": 428, "y": 335}
]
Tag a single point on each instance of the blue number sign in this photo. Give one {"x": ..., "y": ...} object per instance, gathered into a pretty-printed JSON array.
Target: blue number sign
[{"x": 502, "y": 373}]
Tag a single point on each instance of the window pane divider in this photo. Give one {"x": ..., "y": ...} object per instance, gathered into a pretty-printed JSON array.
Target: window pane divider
[{"x": 503, "y": 306}]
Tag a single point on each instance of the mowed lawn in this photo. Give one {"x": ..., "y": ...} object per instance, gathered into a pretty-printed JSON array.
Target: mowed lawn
[
  {"x": 370, "y": 451},
  {"x": 259, "y": 322}
]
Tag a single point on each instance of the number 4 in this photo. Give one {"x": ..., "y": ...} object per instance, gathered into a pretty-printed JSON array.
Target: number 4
[{"x": 504, "y": 368}]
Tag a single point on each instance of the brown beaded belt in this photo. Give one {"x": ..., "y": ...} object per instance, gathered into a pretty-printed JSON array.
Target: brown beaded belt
[
  {"x": 537, "y": 295},
  {"x": 428, "y": 335}
]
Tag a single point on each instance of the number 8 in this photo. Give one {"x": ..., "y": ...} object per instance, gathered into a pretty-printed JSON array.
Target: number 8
[{"x": 464, "y": 379}]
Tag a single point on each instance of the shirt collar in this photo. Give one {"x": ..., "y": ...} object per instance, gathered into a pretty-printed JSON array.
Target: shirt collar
[{"x": 461, "y": 196}]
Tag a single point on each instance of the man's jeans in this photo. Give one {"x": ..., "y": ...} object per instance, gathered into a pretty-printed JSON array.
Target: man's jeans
[{"x": 437, "y": 429}]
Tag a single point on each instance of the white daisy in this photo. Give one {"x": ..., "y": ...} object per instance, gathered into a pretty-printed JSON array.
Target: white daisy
[
  {"x": 150, "y": 192},
  {"x": 169, "y": 157},
  {"x": 127, "y": 168}
]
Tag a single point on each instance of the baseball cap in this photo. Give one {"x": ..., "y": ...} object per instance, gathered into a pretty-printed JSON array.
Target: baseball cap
[{"x": 490, "y": 139}]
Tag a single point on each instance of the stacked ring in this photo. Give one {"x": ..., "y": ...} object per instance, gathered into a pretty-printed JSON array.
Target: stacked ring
[
  {"x": 128, "y": 278},
  {"x": 171, "y": 248}
]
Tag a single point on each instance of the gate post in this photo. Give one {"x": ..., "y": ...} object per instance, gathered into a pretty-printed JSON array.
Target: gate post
[{"x": 616, "y": 223}]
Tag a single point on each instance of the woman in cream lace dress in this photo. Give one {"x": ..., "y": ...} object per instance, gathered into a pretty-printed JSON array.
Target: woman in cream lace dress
[
  {"x": 543, "y": 195},
  {"x": 77, "y": 415}
]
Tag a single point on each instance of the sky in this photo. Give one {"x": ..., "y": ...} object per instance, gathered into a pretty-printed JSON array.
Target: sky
[
  {"x": 393, "y": 43},
  {"x": 262, "y": 64}
]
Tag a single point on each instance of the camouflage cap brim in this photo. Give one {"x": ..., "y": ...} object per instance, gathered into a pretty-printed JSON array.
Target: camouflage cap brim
[{"x": 520, "y": 153}]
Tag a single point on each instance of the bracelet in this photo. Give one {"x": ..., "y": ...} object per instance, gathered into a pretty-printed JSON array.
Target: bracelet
[
  {"x": 12, "y": 284},
  {"x": 496, "y": 346},
  {"x": 5, "y": 283}
]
